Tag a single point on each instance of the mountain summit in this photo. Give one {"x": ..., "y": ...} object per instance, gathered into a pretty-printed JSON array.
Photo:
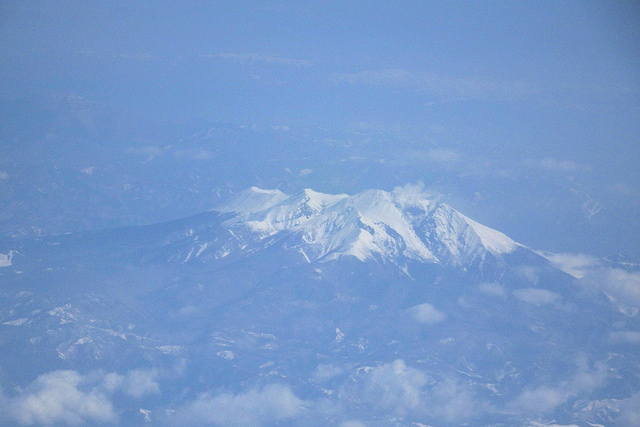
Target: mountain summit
[{"x": 396, "y": 226}]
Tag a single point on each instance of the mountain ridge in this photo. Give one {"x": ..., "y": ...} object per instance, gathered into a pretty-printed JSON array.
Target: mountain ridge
[{"x": 397, "y": 226}]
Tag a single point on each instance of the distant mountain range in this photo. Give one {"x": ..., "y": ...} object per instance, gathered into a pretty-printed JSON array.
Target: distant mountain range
[{"x": 382, "y": 308}]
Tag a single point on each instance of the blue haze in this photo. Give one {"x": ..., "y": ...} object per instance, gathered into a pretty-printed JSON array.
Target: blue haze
[{"x": 123, "y": 124}]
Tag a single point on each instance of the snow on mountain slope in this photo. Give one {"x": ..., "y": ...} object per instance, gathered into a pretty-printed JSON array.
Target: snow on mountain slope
[
  {"x": 251, "y": 200},
  {"x": 397, "y": 225},
  {"x": 5, "y": 259}
]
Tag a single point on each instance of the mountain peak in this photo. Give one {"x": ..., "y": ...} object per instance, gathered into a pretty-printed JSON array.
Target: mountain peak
[{"x": 397, "y": 226}]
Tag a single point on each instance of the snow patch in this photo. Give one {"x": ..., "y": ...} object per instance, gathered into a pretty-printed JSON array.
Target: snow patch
[
  {"x": 201, "y": 249},
  {"x": 16, "y": 322},
  {"x": 170, "y": 349},
  {"x": 226, "y": 354},
  {"x": 5, "y": 259},
  {"x": 493, "y": 240},
  {"x": 146, "y": 413}
]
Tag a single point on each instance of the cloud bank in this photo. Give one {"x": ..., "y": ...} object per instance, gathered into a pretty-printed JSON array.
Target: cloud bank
[{"x": 69, "y": 398}]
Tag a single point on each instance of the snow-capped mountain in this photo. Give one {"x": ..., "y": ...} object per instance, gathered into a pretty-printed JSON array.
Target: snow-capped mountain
[
  {"x": 404, "y": 224},
  {"x": 383, "y": 308}
]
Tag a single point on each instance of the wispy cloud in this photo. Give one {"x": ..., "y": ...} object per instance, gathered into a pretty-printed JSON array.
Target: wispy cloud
[
  {"x": 352, "y": 423},
  {"x": 395, "y": 388},
  {"x": 249, "y": 58},
  {"x": 111, "y": 56},
  {"x": 629, "y": 414},
  {"x": 621, "y": 286},
  {"x": 195, "y": 154},
  {"x": 457, "y": 87},
  {"x": 326, "y": 372},
  {"x": 255, "y": 407},
  {"x": 536, "y": 296},
  {"x": 492, "y": 289},
  {"x": 443, "y": 157},
  {"x": 138, "y": 382},
  {"x": 559, "y": 166},
  {"x": 576, "y": 265},
  {"x": 625, "y": 337},
  {"x": 543, "y": 399}
]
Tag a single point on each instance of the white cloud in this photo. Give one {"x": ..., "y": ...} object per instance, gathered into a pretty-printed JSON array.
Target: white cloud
[
  {"x": 536, "y": 296},
  {"x": 67, "y": 397},
  {"x": 426, "y": 313},
  {"x": 545, "y": 398},
  {"x": 395, "y": 387},
  {"x": 491, "y": 289},
  {"x": 141, "y": 382},
  {"x": 576, "y": 265},
  {"x": 629, "y": 411},
  {"x": 622, "y": 286},
  {"x": 255, "y": 407},
  {"x": 453, "y": 401},
  {"x": 59, "y": 397},
  {"x": 352, "y": 423},
  {"x": 541, "y": 399},
  {"x": 413, "y": 195},
  {"x": 325, "y": 372}
]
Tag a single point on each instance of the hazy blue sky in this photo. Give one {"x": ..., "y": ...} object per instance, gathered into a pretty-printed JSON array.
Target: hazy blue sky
[
  {"x": 559, "y": 77},
  {"x": 554, "y": 84}
]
